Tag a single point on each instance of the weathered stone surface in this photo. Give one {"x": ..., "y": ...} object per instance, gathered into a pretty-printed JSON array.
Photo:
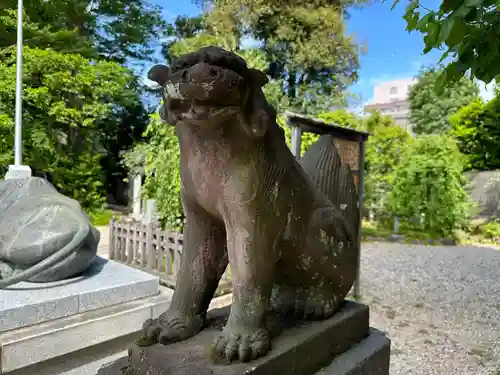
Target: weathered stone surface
[
  {"x": 298, "y": 349},
  {"x": 104, "y": 284},
  {"x": 484, "y": 188},
  {"x": 369, "y": 357},
  {"x": 43, "y": 342},
  {"x": 288, "y": 232},
  {"x": 44, "y": 235}
]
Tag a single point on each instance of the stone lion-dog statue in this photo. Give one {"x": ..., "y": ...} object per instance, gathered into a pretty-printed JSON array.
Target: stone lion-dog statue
[{"x": 288, "y": 231}]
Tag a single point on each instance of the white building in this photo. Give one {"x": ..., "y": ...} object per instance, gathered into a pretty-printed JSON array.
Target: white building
[{"x": 391, "y": 99}]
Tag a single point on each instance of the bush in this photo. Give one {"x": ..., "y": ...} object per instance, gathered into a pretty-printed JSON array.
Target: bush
[
  {"x": 162, "y": 172},
  {"x": 477, "y": 129},
  {"x": 66, "y": 99},
  {"x": 101, "y": 217},
  {"x": 429, "y": 187},
  {"x": 384, "y": 150}
]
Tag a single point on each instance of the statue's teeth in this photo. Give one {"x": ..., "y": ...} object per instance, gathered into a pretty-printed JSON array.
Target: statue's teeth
[{"x": 173, "y": 91}]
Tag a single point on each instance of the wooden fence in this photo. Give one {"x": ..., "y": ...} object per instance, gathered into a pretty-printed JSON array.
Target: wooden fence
[{"x": 150, "y": 248}]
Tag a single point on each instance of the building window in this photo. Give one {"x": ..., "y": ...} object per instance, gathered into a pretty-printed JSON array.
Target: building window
[{"x": 394, "y": 90}]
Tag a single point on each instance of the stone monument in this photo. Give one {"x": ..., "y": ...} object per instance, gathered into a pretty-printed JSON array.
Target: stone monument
[
  {"x": 53, "y": 287},
  {"x": 44, "y": 235},
  {"x": 288, "y": 232}
]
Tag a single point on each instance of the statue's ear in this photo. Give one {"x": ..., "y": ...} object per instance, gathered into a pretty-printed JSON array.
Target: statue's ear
[
  {"x": 159, "y": 73},
  {"x": 256, "y": 114},
  {"x": 257, "y": 77}
]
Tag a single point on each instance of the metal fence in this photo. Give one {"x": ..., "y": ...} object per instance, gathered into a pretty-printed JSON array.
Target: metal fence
[{"x": 150, "y": 248}]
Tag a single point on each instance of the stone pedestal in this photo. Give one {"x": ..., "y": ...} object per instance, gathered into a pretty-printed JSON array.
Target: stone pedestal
[
  {"x": 40, "y": 321},
  {"x": 18, "y": 172},
  {"x": 342, "y": 345}
]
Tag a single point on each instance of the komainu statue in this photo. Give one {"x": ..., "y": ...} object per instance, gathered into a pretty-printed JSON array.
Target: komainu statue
[
  {"x": 288, "y": 232},
  {"x": 44, "y": 235}
]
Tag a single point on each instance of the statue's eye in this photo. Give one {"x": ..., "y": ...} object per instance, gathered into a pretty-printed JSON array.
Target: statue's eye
[{"x": 174, "y": 104}]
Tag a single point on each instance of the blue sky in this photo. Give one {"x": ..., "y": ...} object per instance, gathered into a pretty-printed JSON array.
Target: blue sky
[{"x": 392, "y": 52}]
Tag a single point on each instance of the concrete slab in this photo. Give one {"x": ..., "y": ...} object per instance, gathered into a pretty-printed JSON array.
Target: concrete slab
[
  {"x": 37, "y": 343},
  {"x": 88, "y": 360},
  {"x": 298, "y": 349},
  {"x": 105, "y": 283}
]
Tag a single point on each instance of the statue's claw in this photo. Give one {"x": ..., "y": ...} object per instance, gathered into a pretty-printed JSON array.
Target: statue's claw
[
  {"x": 233, "y": 346},
  {"x": 170, "y": 327}
]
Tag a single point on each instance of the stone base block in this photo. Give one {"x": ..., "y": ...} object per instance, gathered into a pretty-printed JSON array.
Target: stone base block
[
  {"x": 105, "y": 283},
  {"x": 40, "y": 321},
  {"x": 38, "y": 343},
  {"x": 298, "y": 349},
  {"x": 18, "y": 172},
  {"x": 369, "y": 357}
]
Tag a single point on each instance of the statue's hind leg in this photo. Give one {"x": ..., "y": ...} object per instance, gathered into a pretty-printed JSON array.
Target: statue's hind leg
[
  {"x": 326, "y": 269},
  {"x": 203, "y": 262}
]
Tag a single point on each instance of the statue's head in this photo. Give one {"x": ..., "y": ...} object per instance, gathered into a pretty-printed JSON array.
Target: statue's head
[{"x": 212, "y": 85}]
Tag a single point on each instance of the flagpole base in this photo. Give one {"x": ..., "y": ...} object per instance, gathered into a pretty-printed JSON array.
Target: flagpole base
[{"x": 17, "y": 172}]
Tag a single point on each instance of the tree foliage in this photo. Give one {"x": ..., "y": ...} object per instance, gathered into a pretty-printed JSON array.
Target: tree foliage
[
  {"x": 98, "y": 32},
  {"x": 65, "y": 99},
  {"x": 159, "y": 154},
  {"x": 303, "y": 48},
  {"x": 468, "y": 31},
  {"x": 429, "y": 186},
  {"x": 477, "y": 129},
  {"x": 385, "y": 150},
  {"x": 430, "y": 108},
  {"x": 118, "y": 30}
]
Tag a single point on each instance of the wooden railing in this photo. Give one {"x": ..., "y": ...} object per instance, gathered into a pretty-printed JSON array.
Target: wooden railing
[{"x": 150, "y": 248}]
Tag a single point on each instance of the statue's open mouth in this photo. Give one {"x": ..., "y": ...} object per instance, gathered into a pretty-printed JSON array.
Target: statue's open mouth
[
  {"x": 191, "y": 96},
  {"x": 194, "y": 109}
]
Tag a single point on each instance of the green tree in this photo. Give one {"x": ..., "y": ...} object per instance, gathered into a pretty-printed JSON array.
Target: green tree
[
  {"x": 111, "y": 30},
  {"x": 341, "y": 117},
  {"x": 65, "y": 98},
  {"x": 305, "y": 51},
  {"x": 158, "y": 157},
  {"x": 428, "y": 189},
  {"x": 118, "y": 30},
  {"x": 385, "y": 149},
  {"x": 467, "y": 31},
  {"x": 477, "y": 129},
  {"x": 430, "y": 108},
  {"x": 305, "y": 44},
  {"x": 376, "y": 120}
]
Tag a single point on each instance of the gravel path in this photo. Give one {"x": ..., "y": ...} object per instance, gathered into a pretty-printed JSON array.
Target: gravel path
[{"x": 439, "y": 305}]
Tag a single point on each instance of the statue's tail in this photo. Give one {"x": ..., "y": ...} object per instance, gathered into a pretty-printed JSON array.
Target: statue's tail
[{"x": 321, "y": 162}]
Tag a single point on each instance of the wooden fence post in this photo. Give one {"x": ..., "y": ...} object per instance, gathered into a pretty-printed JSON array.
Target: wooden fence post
[
  {"x": 129, "y": 244},
  {"x": 149, "y": 247},
  {"x": 111, "y": 235}
]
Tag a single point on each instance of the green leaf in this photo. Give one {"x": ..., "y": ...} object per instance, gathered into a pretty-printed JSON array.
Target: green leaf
[
  {"x": 423, "y": 22},
  {"x": 457, "y": 33},
  {"x": 394, "y": 4},
  {"x": 449, "y": 5},
  {"x": 445, "y": 29}
]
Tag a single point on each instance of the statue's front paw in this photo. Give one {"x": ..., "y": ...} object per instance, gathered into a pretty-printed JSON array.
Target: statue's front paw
[
  {"x": 235, "y": 344},
  {"x": 171, "y": 326}
]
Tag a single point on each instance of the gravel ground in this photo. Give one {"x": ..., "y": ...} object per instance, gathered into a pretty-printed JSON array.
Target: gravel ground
[{"x": 440, "y": 306}]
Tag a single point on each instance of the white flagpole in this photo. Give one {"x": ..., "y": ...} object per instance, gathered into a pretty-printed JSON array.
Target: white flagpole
[
  {"x": 19, "y": 86},
  {"x": 18, "y": 170}
]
